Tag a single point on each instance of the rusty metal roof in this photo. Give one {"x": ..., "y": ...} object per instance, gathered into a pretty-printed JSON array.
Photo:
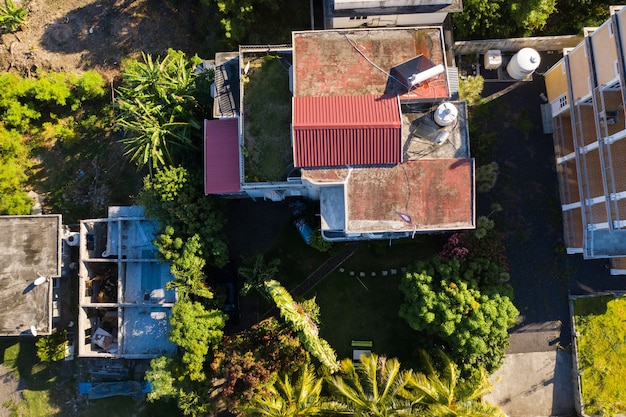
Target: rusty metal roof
[
  {"x": 346, "y": 130},
  {"x": 221, "y": 156}
]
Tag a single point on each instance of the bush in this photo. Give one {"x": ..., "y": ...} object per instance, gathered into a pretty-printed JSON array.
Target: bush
[
  {"x": 318, "y": 242},
  {"x": 52, "y": 348}
]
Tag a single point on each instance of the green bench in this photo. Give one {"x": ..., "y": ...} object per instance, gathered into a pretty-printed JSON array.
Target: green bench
[{"x": 362, "y": 343}]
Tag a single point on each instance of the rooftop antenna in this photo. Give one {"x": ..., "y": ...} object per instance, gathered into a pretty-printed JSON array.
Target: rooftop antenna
[{"x": 33, "y": 331}]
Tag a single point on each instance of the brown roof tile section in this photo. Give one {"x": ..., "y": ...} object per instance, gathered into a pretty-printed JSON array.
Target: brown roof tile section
[
  {"x": 346, "y": 130},
  {"x": 357, "y": 62}
]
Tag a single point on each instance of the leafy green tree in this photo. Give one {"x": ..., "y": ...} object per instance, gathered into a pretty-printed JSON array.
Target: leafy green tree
[
  {"x": 444, "y": 393},
  {"x": 158, "y": 109},
  {"x": 195, "y": 330},
  {"x": 297, "y": 318},
  {"x": 237, "y": 16},
  {"x": 186, "y": 264},
  {"x": 570, "y": 17},
  {"x": 13, "y": 165},
  {"x": 377, "y": 387},
  {"x": 296, "y": 395},
  {"x": 52, "y": 348},
  {"x": 174, "y": 196},
  {"x": 246, "y": 362},
  {"x": 12, "y": 17},
  {"x": 442, "y": 302},
  {"x": 256, "y": 271},
  {"x": 160, "y": 375},
  {"x": 487, "y": 19}
]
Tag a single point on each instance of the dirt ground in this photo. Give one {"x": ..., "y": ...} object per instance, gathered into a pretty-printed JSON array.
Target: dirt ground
[{"x": 82, "y": 34}]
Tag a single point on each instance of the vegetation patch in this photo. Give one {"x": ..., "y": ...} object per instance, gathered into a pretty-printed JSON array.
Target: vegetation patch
[
  {"x": 267, "y": 109},
  {"x": 601, "y": 349}
]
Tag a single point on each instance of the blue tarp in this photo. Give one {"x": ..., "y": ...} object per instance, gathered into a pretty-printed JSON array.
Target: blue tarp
[
  {"x": 110, "y": 389},
  {"x": 304, "y": 229}
]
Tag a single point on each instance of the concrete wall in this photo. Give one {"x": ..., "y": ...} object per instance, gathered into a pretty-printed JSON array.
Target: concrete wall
[{"x": 543, "y": 43}]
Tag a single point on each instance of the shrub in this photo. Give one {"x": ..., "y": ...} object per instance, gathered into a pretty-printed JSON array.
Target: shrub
[
  {"x": 318, "y": 242},
  {"x": 52, "y": 348}
]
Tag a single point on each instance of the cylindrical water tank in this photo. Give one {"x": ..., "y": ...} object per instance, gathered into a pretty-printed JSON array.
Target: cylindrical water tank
[
  {"x": 445, "y": 114},
  {"x": 523, "y": 63},
  {"x": 73, "y": 239}
]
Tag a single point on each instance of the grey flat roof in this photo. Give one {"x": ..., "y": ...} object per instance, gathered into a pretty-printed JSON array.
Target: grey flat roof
[{"x": 30, "y": 246}]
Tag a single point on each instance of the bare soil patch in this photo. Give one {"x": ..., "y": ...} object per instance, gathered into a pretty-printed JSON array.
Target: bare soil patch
[{"x": 73, "y": 35}]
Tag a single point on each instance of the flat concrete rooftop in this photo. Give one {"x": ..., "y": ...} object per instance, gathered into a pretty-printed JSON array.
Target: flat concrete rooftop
[
  {"x": 30, "y": 247},
  {"x": 358, "y": 61},
  {"x": 437, "y": 194}
]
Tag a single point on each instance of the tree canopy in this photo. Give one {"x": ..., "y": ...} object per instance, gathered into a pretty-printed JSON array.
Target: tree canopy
[
  {"x": 489, "y": 19},
  {"x": 159, "y": 108},
  {"x": 444, "y": 301},
  {"x": 174, "y": 196}
]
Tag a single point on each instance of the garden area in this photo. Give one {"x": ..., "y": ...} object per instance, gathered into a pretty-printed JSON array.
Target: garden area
[
  {"x": 601, "y": 340},
  {"x": 267, "y": 112}
]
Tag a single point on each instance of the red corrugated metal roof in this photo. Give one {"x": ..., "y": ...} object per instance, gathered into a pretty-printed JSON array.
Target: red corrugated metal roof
[
  {"x": 346, "y": 130},
  {"x": 221, "y": 156}
]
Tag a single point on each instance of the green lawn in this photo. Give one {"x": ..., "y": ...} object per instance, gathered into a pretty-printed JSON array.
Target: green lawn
[
  {"x": 601, "y": 352},
  {"x": 51, "y": 388},
  {"x": 366, "y": 308},
  {"x": 267, "y": 109},
  {"x": 297, "y": 259}
]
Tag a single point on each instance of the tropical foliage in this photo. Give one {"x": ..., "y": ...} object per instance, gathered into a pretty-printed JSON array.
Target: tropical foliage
[
  {"x": 196, "y": 331},
  {"x": 12, "y": 17},
  {"x": 37, "y": 112},
  {"x": 444, "y": 393},
  {"x": 52, "y": 348},
  {"x": 376, "y": 387},
  {"x": 159, "y": 110},
  {"x": 186, "y": 264},
  {"x": 246, "y": 362},
  {"x": 462, "y": 306},
  {"x": 296, "y": 395},
  {"x": 297, "y": 318},
  {"x": 175, "y": 197},
  {"x": 255, "y": 270}
]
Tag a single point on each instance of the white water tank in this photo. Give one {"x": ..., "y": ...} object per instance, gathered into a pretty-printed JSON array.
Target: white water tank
[
  {"x": 73, "y": 238},
  {"x": 523, "y": 63},
  {"x": 446, "y": 114},
  {"x": 493, "y": 59}
]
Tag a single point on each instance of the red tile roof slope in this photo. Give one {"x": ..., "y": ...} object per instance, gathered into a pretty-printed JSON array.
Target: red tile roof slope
[
  {"x": 346, "y": 130},
  {"x": 221, "y": 156}
]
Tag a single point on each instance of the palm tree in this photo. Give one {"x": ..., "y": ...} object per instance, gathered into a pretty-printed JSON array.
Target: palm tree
[
  {"x": 443, "y": 394},
  {"x": 303, "y": 324},
  {"x": 256, "y": 271},
  {"x": 376, "y": 387},
  {"x": 157, "y": 107},
  {"x": 298, "y": 395}
]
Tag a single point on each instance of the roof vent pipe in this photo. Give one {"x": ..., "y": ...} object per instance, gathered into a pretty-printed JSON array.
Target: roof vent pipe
[{"x": 420, "y": 77}]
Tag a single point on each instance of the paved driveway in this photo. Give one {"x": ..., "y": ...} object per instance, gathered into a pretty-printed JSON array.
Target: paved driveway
[{"x": 535, "y": 379}]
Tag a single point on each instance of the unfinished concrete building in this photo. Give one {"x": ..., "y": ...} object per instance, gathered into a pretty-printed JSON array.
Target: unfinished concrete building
[
  {"x": 124, "y": 307},
  {"x": 586, "y": 94}
]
